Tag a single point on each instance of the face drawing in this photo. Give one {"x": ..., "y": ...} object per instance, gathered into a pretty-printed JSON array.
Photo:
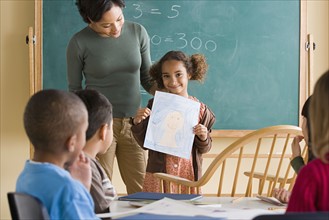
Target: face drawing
[{"x": 173, "y": 122}]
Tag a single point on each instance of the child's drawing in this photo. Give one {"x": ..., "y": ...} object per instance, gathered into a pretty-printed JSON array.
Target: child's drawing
[
  {"x": 170, "y": 128},
  {"x": 173, "y": 122}
]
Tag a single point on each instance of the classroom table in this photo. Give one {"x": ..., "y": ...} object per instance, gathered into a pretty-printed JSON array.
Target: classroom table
[{"x": 245, "y": 208}]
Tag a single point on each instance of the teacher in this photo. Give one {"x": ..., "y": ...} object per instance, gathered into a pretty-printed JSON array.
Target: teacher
[{"x": 113, "y": 57}]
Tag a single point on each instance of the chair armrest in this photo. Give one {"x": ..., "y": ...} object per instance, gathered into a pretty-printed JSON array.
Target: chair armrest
[
  {"x": 269, "y": 177},
  {"x": 175, "y": 179}
]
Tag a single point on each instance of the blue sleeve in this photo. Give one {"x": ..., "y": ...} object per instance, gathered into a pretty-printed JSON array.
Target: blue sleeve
[{"x": 74, "y": 202}]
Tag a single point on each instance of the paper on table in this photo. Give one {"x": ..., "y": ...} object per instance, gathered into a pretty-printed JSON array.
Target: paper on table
[
  {"x": 271, "y": 200},
  {"x": 174, "y": 207},
  {"x": 193, "y": 202},
  {"x": 165, "y": 206}
]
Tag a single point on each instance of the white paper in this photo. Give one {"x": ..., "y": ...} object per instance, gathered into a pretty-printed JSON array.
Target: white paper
[
  {"x": 170, "y": 127},
  {"x": 168, "y": 206},
  {"x": 174, "y": 207}
]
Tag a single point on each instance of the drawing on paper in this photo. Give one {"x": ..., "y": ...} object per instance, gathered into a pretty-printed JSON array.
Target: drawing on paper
[
  {"x": 172, "y": 124},
  {"x": 170, "y": 128}
]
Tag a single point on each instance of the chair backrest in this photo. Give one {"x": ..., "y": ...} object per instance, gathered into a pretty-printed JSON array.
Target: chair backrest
[
  {"x": 262, "y": 155},
  {"x": 24, "y": 206},
  {"x": 297, "y": 216}
]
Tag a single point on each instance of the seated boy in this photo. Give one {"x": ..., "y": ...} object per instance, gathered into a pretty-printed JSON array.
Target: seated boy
[
  {"x": 56, "y": 123},
  {"x": 99, "y": 137}
]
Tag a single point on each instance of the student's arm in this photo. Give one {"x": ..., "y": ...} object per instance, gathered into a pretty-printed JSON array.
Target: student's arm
[
  {"x": 139, "y": 126},
  {"x": 208, "y": 121},
  {"x": 81, "y": 171},
  {"x": 297, "y": 161},
  {"x": 139, "y": 131},
  {"x": 97, "y": 191},
  {"x": 74, "y": 202}
]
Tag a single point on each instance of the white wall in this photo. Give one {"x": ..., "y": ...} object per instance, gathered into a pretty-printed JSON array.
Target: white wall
[
  {"x": 15, "y": 18},
  {"x": 318, "y": 26}
]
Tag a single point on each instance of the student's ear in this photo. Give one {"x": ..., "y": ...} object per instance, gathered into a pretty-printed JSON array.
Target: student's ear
[
  {"x": 103, "y": 131},
  {"x": 71, "y": 142}
]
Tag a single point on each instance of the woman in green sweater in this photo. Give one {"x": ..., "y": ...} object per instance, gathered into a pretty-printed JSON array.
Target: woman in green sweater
[{"x": 113, "y": 57}]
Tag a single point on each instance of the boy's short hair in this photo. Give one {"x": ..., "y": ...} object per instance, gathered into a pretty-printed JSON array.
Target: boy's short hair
[
  {"x": 99, "y": 110},
  {"x": 51, "y": 117}
]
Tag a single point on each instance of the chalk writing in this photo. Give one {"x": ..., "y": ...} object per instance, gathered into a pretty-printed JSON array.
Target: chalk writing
[
  {"x": 174, "y": 12},
  {"x": 195, "y": 43}
]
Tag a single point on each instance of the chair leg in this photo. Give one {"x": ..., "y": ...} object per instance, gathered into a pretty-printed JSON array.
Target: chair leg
[
  {"x": 260, "y": 186},
  {"x": 161, "y": 185},
  {"x": 249, "y": 190},
  {"x": 269, "y": 190}
]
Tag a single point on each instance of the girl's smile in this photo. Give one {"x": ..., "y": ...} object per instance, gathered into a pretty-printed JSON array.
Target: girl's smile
[{"x": 175, "y": 78}]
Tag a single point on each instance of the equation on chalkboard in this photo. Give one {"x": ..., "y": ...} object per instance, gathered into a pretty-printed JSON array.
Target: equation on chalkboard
[{"x": 195, "y": 43}]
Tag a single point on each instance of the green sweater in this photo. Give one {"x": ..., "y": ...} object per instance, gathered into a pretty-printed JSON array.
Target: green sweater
[
  {"x": 114, "y": 66},
  {"x": 297, "y": 163}
]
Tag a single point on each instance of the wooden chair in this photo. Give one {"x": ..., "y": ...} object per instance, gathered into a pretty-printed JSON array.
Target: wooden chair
[
  {"x": 24, "y": 206},
  {"x": 267, "y": 160}
]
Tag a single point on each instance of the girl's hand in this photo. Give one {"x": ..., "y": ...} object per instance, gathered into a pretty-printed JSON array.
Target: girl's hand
[
  {"x": 81, "y": 170},
  {"x": 295, "y": 147},
  {"x": 141, "y": 114},
  {"x": 201, "y": 131},
  {"x": 282, "y": 195}
]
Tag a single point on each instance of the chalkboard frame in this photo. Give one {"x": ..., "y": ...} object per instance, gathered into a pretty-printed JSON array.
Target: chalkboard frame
[{"x": 304, "y": 77}]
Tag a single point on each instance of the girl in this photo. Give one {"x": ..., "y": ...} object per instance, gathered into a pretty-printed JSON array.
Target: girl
[
  {"x": 311, "y": 190},
  {"x": 297, "y": 162},
  {"x": 172, "y": 74}
]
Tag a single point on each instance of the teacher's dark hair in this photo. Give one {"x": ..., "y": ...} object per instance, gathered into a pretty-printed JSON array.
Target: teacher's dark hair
[{"x": 93, "y": 10}]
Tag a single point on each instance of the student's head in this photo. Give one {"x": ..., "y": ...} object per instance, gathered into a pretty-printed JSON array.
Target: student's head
[
  {"x": 99, "y": 116},
  {"x": 56, "y": 122},
  {"x": 175, "y": 68},
  {"x": 319, "y": 110},
  {"x": 105, "y": 17}
]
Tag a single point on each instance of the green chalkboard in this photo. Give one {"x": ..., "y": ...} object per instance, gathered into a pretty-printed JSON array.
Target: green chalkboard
[{"x": 252, "y": 48}]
